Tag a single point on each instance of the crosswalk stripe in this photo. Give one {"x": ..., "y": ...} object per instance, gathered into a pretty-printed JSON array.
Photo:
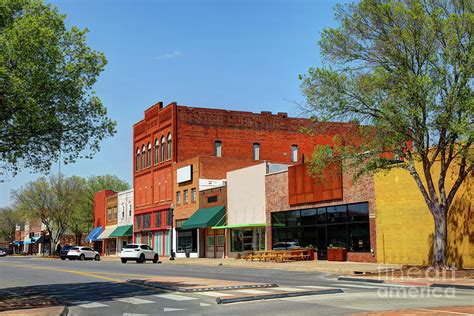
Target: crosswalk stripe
[
  {"x": 284, "y": 289},
  {"x": 250, "y": 291},
  {"x": 167, "y": 309},
  {"x": 134, "y": 300},
  {"x": 204, "y": 304},
  {"x": 214, "y": 294},
  {"x": 175, "y": 297},
  {"x": 92, "y": 305}
]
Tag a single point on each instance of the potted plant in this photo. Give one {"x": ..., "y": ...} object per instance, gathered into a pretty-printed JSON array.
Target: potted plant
[
  {"x": 313, "y": 253},
  {"x": 337, "y": 251}
]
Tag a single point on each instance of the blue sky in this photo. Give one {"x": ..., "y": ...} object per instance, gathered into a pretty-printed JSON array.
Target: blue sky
[{"x": 240, "y": 55}]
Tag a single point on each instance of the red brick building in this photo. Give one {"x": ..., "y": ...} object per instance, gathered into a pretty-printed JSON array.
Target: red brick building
[
  {"x": 321, "y": 212},
  {"x": 175, "y": 133}
]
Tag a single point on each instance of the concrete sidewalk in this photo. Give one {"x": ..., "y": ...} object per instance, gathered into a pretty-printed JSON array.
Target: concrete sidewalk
[
  {"x": 347, "y": 268},
  {"x": 456, "y": 310}
]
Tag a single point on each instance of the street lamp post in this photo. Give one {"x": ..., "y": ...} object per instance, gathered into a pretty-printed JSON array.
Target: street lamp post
[{"x": 172, "y": 222}]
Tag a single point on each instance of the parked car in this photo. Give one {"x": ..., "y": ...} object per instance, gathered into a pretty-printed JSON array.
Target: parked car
[
  {"x": 286, "y": 245},
  {"x": 139, "y": 253},
  {"x": 64, "y": 251},
  {"x": 3, "y": 252},
  {"x": 83, "y": 253}
]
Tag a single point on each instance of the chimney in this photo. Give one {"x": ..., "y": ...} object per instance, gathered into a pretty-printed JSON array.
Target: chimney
[
  {"x": 266, "y": 113},
  {"x": 160, "y": 105},
  {"x": 283, "y": 114}
]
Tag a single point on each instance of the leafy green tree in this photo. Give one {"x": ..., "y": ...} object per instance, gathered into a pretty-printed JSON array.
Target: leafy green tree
[
  {"x": 405, "y": 68},
  {"x": 47, "y": 104},
  {"x": 82, "y": 219},
  {"x": 9, "y": 218},
  {"x": 53, "y": 201}
]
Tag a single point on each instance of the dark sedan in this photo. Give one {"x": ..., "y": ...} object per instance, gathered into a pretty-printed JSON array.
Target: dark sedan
[{"x": 64, "y": 251}]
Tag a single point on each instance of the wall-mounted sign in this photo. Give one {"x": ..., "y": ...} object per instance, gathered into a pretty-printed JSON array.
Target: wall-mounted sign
[{"x": 184, "y": 174}]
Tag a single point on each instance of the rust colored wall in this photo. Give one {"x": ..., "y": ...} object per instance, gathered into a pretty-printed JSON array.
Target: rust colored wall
[
  {"x": 100, "y": 208},
  {"x": 276, "y": 191},
  {"x": 304, "y": 188}
]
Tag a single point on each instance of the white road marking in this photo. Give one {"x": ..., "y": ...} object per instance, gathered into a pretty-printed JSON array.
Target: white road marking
[
  {"x": 214, "y": 294},
  {"x": 204, "y": 304},
  {"x": 133, "y": 300},
  {"x": 175, "y": 297},
  {"x": 367, "y": 287},
  {"x": 315, "y": 287},
  {"x": 250, "y": 291},
  {"x": 92, "y": 305},
  {"x": 285, "y": 289},
  {"x": 166, "y": 309}
]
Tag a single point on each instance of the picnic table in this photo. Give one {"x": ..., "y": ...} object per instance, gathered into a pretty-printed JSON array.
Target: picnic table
[{"x": 279, "y": 255}]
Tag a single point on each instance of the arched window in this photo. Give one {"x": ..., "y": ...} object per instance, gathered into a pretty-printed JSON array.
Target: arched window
[
  {"x": 143, "y": 157},
  {"x": 218, "y": 148},
  {"x": 148, "y": 156},
  {"x": 137, "y": 160},
  {"x": 169, "y": 147},
  {"x": 256, "y": 151},
  {"x": 162, "y": 154},
  {"x": 157, "y": 148}
]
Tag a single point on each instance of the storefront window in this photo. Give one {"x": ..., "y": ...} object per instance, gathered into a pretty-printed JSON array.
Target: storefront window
[
  {"x": 247, "y": 239},
  {"x": 187, "y": 240},
  {"x": 337, "y": 214},
  {"x": 308, "y": 217},
  {"x": 309, "y": 237},
  {"x": 278, "y": 219},
  {"x": 340, "y": 225},
  {"x": 293, "y": 218},
  {"x": 337, "y": 235},
  {"x": 321, "y": 215},
  {"x": 358, "y": 212},
  {"x": 359, "y": 239}
]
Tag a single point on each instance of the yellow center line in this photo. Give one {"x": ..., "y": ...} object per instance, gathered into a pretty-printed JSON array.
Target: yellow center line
[{"x": 82, "y": 273}]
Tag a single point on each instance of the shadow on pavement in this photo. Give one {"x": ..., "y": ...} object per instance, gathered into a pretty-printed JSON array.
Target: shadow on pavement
[{"x": 69, "y": 294}]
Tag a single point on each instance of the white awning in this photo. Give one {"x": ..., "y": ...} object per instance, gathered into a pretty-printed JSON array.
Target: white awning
[{"x": 107, "y": 231}]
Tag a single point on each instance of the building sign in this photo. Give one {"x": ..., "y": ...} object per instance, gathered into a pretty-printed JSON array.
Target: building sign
[{"x": 184, "y": 174}]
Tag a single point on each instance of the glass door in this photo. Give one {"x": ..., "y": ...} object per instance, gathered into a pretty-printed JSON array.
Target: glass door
[{"x": 322, "y": 243}]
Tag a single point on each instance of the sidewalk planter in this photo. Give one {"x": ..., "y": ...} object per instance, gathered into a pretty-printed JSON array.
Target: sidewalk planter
[{"x": 337, "y": 254}]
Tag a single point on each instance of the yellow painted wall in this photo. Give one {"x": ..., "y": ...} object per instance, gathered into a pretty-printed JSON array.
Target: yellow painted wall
[{"x": 405, "y": 226}]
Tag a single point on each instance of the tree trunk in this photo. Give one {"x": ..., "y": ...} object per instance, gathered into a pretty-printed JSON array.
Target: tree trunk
[{"x": 439, "y": 242}]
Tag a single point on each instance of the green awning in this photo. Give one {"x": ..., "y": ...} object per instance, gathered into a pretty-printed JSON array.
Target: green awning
[
  {"x": 239, "y": 226},
  {"x": 122, "y": 231},
  {"x": 206, "y": 217}
]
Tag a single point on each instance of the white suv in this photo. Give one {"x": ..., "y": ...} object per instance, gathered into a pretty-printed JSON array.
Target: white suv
[
  {"x": 138, "y": 252},
  {"x": 82, "y": 253}
]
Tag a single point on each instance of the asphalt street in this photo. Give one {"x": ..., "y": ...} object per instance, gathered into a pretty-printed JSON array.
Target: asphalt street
[{"x": 97, "y": 288}]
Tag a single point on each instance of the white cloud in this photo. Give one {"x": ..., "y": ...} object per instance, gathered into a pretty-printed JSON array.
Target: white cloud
[{"x": 171, "y": 55}]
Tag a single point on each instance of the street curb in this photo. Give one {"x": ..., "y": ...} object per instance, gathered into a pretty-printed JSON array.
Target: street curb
[
  {"x": 229, "y": 300},
  {"x": 65, "y": 311},
  {"x": 456, "y": 286},
  {"x": 341, "y": 278},
  {"x": 203, "y": 289}
]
